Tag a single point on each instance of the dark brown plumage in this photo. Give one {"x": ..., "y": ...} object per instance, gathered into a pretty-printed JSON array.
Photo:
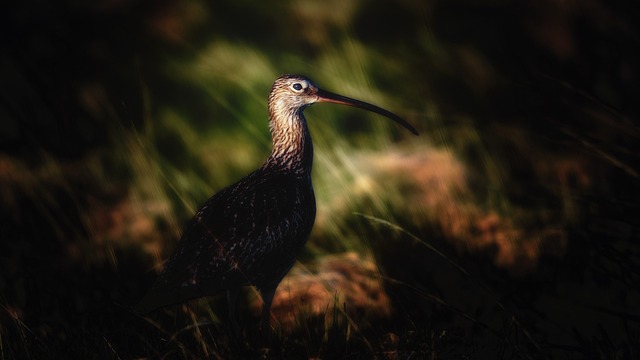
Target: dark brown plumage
[{"x": 251, "y": 232}]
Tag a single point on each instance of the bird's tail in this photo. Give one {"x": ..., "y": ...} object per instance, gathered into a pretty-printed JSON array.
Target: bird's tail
[
  {"x": 157, "y": 298},
  {"x": 147, "y": 304}
]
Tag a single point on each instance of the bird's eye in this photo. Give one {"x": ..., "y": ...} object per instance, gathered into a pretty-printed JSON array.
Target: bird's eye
[{"x": 297, "y": 86}]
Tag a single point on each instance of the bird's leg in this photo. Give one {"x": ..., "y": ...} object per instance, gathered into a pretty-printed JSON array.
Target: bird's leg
[
  {"x": 267, "y": 299},
  {"x": 233, "y": 295}
]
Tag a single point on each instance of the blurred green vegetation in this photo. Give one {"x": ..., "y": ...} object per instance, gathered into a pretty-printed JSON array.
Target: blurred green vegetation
[{"x": 516, "y": 203}]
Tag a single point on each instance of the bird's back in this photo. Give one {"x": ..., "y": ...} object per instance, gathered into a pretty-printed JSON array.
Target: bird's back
[{"x": 247, "y": 234}]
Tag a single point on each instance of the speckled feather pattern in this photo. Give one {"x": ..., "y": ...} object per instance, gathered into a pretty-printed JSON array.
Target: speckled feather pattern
[{"x": 251, "y": 232}]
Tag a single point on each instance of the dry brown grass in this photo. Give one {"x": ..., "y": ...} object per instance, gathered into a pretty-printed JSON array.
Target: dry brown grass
[
  {"x": 430, "y": 186},
  {"x": 344, "y": 281}
]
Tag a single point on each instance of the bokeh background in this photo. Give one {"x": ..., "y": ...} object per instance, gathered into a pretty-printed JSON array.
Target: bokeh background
[{"x": 507, "y": 229}]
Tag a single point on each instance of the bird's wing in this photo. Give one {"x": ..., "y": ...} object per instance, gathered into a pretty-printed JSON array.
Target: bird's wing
[{"x": 225, "y": 236}]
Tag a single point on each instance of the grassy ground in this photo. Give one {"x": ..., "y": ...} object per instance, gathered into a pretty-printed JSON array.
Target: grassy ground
[{"x": 506, "y": 230}]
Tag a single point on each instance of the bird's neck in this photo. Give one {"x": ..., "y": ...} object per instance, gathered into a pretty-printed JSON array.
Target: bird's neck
[{"x": 292, "y": 146}]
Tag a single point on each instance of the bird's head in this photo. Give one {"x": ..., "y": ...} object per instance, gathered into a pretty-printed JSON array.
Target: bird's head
[{"x": 291, "y": 94}]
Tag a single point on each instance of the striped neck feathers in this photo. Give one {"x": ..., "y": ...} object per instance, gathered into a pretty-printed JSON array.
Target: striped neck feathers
[{"x": 292, "y": 146}]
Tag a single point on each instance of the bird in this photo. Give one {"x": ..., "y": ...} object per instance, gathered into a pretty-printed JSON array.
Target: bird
[{"x": 250, "y": 233}]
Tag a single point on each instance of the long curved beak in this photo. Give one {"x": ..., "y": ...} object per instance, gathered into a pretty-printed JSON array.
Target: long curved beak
[{"x": 326, "y": 96}]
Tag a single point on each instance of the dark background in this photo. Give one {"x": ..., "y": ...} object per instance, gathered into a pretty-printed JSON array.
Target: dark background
[{"x": 118, "y": 118}]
